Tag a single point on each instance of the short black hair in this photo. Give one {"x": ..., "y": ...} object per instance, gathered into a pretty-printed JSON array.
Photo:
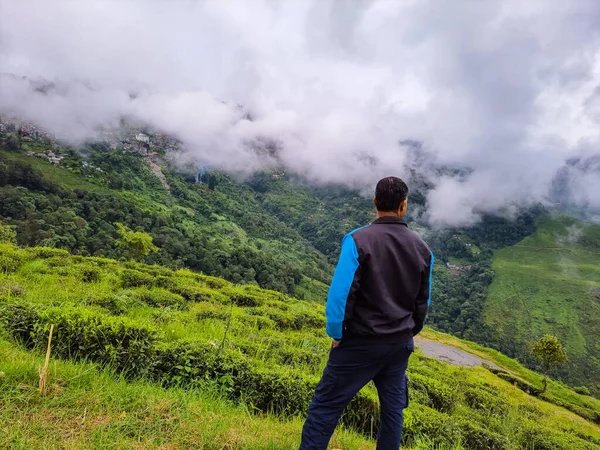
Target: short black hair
[{"x": 390, "y": 193}]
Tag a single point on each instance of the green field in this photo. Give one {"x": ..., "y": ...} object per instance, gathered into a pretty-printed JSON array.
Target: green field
[
  {"x": 550, "y": 283},
  {"x": 148, "y": 357}
]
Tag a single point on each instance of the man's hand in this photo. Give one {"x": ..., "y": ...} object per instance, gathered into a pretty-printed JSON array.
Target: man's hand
[{"x": 335, "y": 344}]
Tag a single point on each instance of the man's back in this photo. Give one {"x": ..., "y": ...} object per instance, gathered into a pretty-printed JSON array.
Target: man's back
[{"x": 394, "y": 272}]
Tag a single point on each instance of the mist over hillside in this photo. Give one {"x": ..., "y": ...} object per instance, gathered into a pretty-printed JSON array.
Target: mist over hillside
[{"x": 506, "y": 93}]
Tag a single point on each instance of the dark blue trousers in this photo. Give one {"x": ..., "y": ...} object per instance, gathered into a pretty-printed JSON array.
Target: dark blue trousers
[{"x": 352, "y": 365}]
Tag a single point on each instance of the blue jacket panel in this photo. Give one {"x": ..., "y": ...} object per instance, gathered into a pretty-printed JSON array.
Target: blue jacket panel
[{"x": 341, "y": 284}]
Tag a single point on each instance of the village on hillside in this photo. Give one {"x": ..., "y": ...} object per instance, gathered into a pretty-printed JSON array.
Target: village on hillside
[{"x": 129, "y": 137}]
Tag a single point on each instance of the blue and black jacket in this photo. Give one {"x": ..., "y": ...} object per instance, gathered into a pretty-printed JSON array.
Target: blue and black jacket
[{"x": 381, "y": 288}]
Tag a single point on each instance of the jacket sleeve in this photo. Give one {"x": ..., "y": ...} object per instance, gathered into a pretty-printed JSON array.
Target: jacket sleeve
[
  {"x": 424, "y": 297},
  {"x": 343, "y": 278}
]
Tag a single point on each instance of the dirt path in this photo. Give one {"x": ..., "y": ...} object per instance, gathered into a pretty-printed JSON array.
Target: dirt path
[{"x": 447, "y": 353}]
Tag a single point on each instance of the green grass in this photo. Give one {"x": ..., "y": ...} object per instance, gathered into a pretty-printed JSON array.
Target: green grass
[
  {"x": 549, "y": 283},
  {"x": 209, "y": 364},
  {"x": 90, "y": 408}
]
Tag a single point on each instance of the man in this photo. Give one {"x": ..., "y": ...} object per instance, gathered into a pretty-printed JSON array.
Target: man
[{"x": 377, "y": 303}]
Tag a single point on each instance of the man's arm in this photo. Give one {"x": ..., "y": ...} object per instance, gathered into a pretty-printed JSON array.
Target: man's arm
[
  {"x": 423, "y": 298},
  {"x": 344, "y": 277}
]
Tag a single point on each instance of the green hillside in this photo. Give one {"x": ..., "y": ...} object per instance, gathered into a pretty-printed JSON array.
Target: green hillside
[
  {"x": 150, "y": 357},
  {"x": 272, "y": 229},
  {"x": 550, "y": 283}
]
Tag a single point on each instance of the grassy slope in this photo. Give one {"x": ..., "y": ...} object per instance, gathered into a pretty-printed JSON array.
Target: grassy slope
[
  {"x": 452, "y": 407},
  {"x": 226, "y": 200},
  {"x": 87, "y": 408},
  {"x": 550, "y": 283}
]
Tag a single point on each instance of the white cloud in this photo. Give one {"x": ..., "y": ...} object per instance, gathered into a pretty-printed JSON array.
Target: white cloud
[{"x": 507, "y": 88}]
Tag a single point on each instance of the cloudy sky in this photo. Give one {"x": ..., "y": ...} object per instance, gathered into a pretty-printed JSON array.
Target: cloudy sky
[{"x": 510, "y": 89}]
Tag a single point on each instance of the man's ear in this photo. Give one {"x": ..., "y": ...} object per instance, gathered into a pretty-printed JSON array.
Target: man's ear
[
  {"x": 403, "y": 206},
  {"x": 375, "y": 202}
]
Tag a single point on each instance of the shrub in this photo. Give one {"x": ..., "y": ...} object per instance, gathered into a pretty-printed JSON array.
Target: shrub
[
  {"x": 420, "y": 420},
  {"x": 583, "y": 390},
  {"x": 158, "y": 297},
  {"x": 475, "y": 436},
  {"x": 283, "y": 320},
  {"x": 84, "y": 335},
  {"x": 213, "y": 313},
  {"x": 241, "y": 297},
  {"x": 440, "y": 396},
  {"x": 114, "y": 304},
  {"x": 89, "y": 273},
  {"x": 535, "y": 436},
  {"x": 47, "y": 252},
  {"x": 165, "y": 282},
  {"x": 9, "y": 263},
  {"x": 9, "y": 289},
  {"x": 297, "y": 357},
  {"x": 198, "y": 294},
  {"x": 257, "y": 322},
  {"x": 484, "y": 401},
  {"x": 213, "y": 282},
  {"x": 135, "y": 278},
  {"x": 19, "y": 320}
]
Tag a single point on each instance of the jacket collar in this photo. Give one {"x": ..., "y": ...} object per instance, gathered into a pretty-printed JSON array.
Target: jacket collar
[{"x": 391, "y": 219}]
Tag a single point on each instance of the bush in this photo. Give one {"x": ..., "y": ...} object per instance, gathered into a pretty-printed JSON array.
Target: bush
[
  {"x": 537, "y": 437},
  {"x": 9, "y": 289},
  {"x": 114, "y": 304},
  {"x": 158, "y": 297},
  {"x": 9, "y": 264},
  {"x": 47, "y": 252},
  {"x": 420, "y": 420},
  {"x": 213, "y": 313},
  {"x": 213, "y": 282},
  {"x": 481, "y": 400},
  {"x": 241, "y": 297},
  {"x": 476, "y": 437},
  {"x": 135, "y": 278},
  {"x": 198, "y": 294},
  {"x": 83, "y": 335},
  {"x": 89, "y": 273},
  {"x": 257, "y": 322},
  {"x": 440, "y": 396},
  {"x": 583, "y": 390},
  {"x": 283, "y": 320}
]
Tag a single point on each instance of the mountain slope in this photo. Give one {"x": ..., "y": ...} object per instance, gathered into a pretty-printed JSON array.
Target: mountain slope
[
  {"x": 550, "y": 283},
  {"x": 185, "y": 332}
]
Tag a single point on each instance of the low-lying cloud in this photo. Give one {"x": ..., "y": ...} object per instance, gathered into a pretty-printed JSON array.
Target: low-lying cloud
[{"x": 509, "y": 89}]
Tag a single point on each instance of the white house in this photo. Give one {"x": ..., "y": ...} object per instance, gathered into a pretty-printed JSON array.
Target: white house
[{"x": 141, "y": 137}]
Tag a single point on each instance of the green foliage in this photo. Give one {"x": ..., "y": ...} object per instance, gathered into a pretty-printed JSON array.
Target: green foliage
[
  {"x": 83, "y": 334},
  {"x": 266, "y": 357},
  {"x": 545, "y": 284},
  {"x": 439, "y": 395},
  {"x": 13, "y": 143},
  {"x": 158, "y": 297},
  {"x": 582, "y": 390},
  {"x": 8, "y": 234},
  {"x": 549, "y": 352},
  {"x": 137, "y": 243},
  {"x": 135, "y": 278}
]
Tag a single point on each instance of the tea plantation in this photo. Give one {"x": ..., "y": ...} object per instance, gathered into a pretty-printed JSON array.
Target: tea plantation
[{"x": 148, "y": 357}]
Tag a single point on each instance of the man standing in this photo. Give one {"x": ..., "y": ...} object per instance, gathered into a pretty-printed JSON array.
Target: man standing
[{"x": 377, "y": 303}]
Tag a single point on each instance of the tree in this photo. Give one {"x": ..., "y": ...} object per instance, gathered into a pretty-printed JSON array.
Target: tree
[
  {"x": 550, "y": 353},
  {"x": 8, "y": 234},
  {"x": 13, "y": 143},
  {"x": 137, "y": 243}
]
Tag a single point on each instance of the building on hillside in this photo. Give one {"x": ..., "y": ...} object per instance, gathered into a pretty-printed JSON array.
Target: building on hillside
[{"x": 141, "y": 137}]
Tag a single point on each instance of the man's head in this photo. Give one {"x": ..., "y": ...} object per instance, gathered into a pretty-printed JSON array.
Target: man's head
[{"x": 391, "y": 197}]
